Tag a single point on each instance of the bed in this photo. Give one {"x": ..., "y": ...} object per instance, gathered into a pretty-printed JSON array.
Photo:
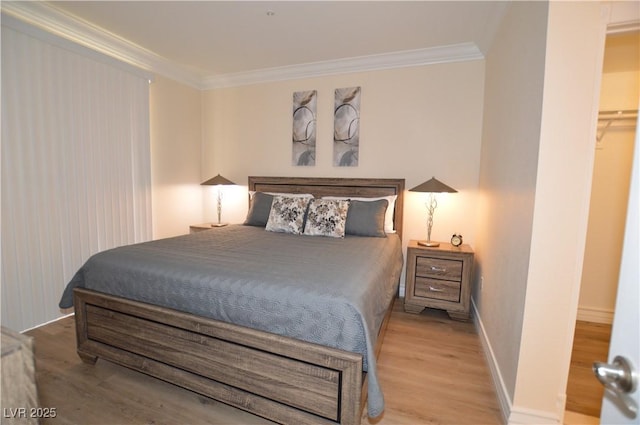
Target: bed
[{"x": 275, "y": 336}]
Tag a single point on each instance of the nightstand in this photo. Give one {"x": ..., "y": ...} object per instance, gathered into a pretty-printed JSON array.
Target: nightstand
[
  {"x": 439, "y": 277},
  {"x": 194, "y": 228}
]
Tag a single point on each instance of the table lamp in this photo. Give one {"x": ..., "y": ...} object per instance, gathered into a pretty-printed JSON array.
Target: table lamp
[
  {"x": 218, "y": 181},
  {"x": 432, "y": 186}
]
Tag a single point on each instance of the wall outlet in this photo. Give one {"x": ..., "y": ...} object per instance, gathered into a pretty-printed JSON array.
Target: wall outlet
[{"x": 481, "y": 282}]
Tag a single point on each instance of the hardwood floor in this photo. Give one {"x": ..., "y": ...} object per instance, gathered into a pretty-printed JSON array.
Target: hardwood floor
[
  {"x": 431, "y": 368},
  {"x": 584, "y": 392},
  {"x": 433, "y": 371}
]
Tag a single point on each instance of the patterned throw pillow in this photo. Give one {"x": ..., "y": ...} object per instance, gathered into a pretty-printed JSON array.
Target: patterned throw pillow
[
  {"x": 326, "y": 218},
  {"x": 287, "y": 214}
]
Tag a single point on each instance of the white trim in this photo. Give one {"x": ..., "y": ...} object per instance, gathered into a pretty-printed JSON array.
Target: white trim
[
  {"x": 623, "y": 17},
  {"x": 498, "y": 383},
  {"x": 419, "y": 57},
  {"x": 47, "y": 18},
  {"x": 49, "y": 322},
  {"x": 623, "y": 27},
  {"x": 511, "y": 415},
  {"x": 596, "y": 315},
  {"x": 55, "y": 40},
  {"x": 52, "y": 20},
  {"x": 524, "y": 416}
]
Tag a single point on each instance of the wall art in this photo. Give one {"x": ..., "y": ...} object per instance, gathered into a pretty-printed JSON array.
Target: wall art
[
  {"x": 346, "y": 127},
  {"x": 304, "y": 128}
]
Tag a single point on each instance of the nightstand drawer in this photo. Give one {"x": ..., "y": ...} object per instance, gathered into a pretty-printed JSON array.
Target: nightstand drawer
[
  {"x": 445, "y": 290},
  {"x": 439, "y": 268}
]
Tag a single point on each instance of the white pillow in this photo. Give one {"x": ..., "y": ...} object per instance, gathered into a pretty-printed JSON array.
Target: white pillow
[{"x": 388, "y": 216}]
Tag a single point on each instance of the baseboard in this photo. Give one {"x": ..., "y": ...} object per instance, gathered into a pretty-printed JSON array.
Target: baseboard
[
  {"x": 46, "y": 323},
  {"x": 511, "y": 415},
  {"x": 523, "y": 416},
  {"x": 498, "y": 383},
  {"x": 596, "y": 315}
]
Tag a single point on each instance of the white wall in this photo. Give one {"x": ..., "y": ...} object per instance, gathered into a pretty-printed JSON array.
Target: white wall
[
  {"x": 573, "y": 66},
  {"x": 510, "y": 143},
  {"x": 537, "y": 160},
  {"x": 416, "y": 123},
  {"x": 176, "y": 142}
]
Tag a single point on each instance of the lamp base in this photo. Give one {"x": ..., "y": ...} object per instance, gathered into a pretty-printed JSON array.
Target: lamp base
[
  {"x": 428, "y": 243},
  {"x": 218, "y": 224}
]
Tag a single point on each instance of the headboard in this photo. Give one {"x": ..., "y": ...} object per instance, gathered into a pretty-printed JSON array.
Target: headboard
[{"x": 329, "y": 186}]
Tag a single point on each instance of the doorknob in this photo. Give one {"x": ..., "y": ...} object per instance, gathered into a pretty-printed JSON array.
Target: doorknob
[
  {"x": 617, "y": 376},
  {"x": 619, "y": 379}
]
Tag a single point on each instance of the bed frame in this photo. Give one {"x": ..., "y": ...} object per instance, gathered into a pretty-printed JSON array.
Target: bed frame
[{"x": 282, "y": 379}]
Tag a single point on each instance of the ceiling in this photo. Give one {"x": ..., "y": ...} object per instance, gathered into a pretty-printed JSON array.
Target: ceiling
[{"x": 212, "y": 38}]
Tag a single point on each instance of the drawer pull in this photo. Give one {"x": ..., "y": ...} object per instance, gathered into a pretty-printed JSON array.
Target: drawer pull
[
  {"x": 438, "y": 269},
  {"x": 432, "y": 289}
]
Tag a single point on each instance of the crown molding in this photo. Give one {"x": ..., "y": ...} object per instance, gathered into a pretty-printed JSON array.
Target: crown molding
[
  {"x": 52, "y": 20},
  {"x": 9, "y": 21},
  {"x": 434, "y": 55},
  {"x": 623, "y": 27}
]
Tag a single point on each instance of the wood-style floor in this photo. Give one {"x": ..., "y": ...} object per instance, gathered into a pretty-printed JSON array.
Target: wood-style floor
[
  {"x": 590, "y": 343},
  {"x": 431, "y": 369}
]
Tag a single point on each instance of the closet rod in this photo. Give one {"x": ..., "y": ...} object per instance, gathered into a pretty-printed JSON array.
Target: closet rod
[
  {"x": 609, "y": 117},
  {"x": 618, "y": 115}
]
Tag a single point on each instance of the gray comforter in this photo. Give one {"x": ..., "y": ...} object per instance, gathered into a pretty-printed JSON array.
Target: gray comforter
[{"x": 323, "y": 290}]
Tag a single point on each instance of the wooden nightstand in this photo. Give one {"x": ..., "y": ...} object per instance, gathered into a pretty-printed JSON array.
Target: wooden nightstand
[
  {"x": 194, "y": 228},
  {"x": 439, "y": 277}
]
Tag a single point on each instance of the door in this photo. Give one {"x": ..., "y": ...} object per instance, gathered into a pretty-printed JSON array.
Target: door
[{"x": 622, "y": 398}]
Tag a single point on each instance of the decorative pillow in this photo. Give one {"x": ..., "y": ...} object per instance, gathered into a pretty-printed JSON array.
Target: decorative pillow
[
  {"x": 258, "y": 214},
  {"x": 287, "y": 214},
  {"x": 326, "y": 218},
  {"x": 388, "y": 217},
  {"x": 366, "y": 218}
]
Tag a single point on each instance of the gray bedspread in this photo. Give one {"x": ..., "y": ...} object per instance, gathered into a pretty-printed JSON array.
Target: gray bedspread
[{"x": 323, "y": 290}]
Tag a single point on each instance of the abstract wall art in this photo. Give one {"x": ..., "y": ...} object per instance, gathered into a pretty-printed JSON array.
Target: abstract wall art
[
  {"x": 346, "y": 127},
  {"x": 304, "y": 128}
]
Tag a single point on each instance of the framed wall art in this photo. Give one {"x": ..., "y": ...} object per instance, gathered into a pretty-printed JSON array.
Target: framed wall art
[
  {"x": 346, "y": 127},
  {"x": 304, "y": 128}
]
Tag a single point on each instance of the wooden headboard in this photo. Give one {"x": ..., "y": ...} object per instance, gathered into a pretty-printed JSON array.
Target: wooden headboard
[{"x": 329, "y": 186}]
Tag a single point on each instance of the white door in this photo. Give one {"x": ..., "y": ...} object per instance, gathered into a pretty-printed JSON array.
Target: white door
[{"x": 622, "y": 395}]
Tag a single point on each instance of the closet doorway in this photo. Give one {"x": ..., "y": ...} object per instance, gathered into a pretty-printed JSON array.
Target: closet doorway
[{"x": 619, "y": 97}]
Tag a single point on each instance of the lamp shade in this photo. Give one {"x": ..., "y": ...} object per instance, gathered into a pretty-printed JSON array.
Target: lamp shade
[
  {"x": 214, "y": 181},
  {"x": 432, "y": 185}
]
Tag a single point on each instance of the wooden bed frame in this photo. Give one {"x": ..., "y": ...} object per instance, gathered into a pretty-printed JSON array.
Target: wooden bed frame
[{"x": 282, "y": 379}]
